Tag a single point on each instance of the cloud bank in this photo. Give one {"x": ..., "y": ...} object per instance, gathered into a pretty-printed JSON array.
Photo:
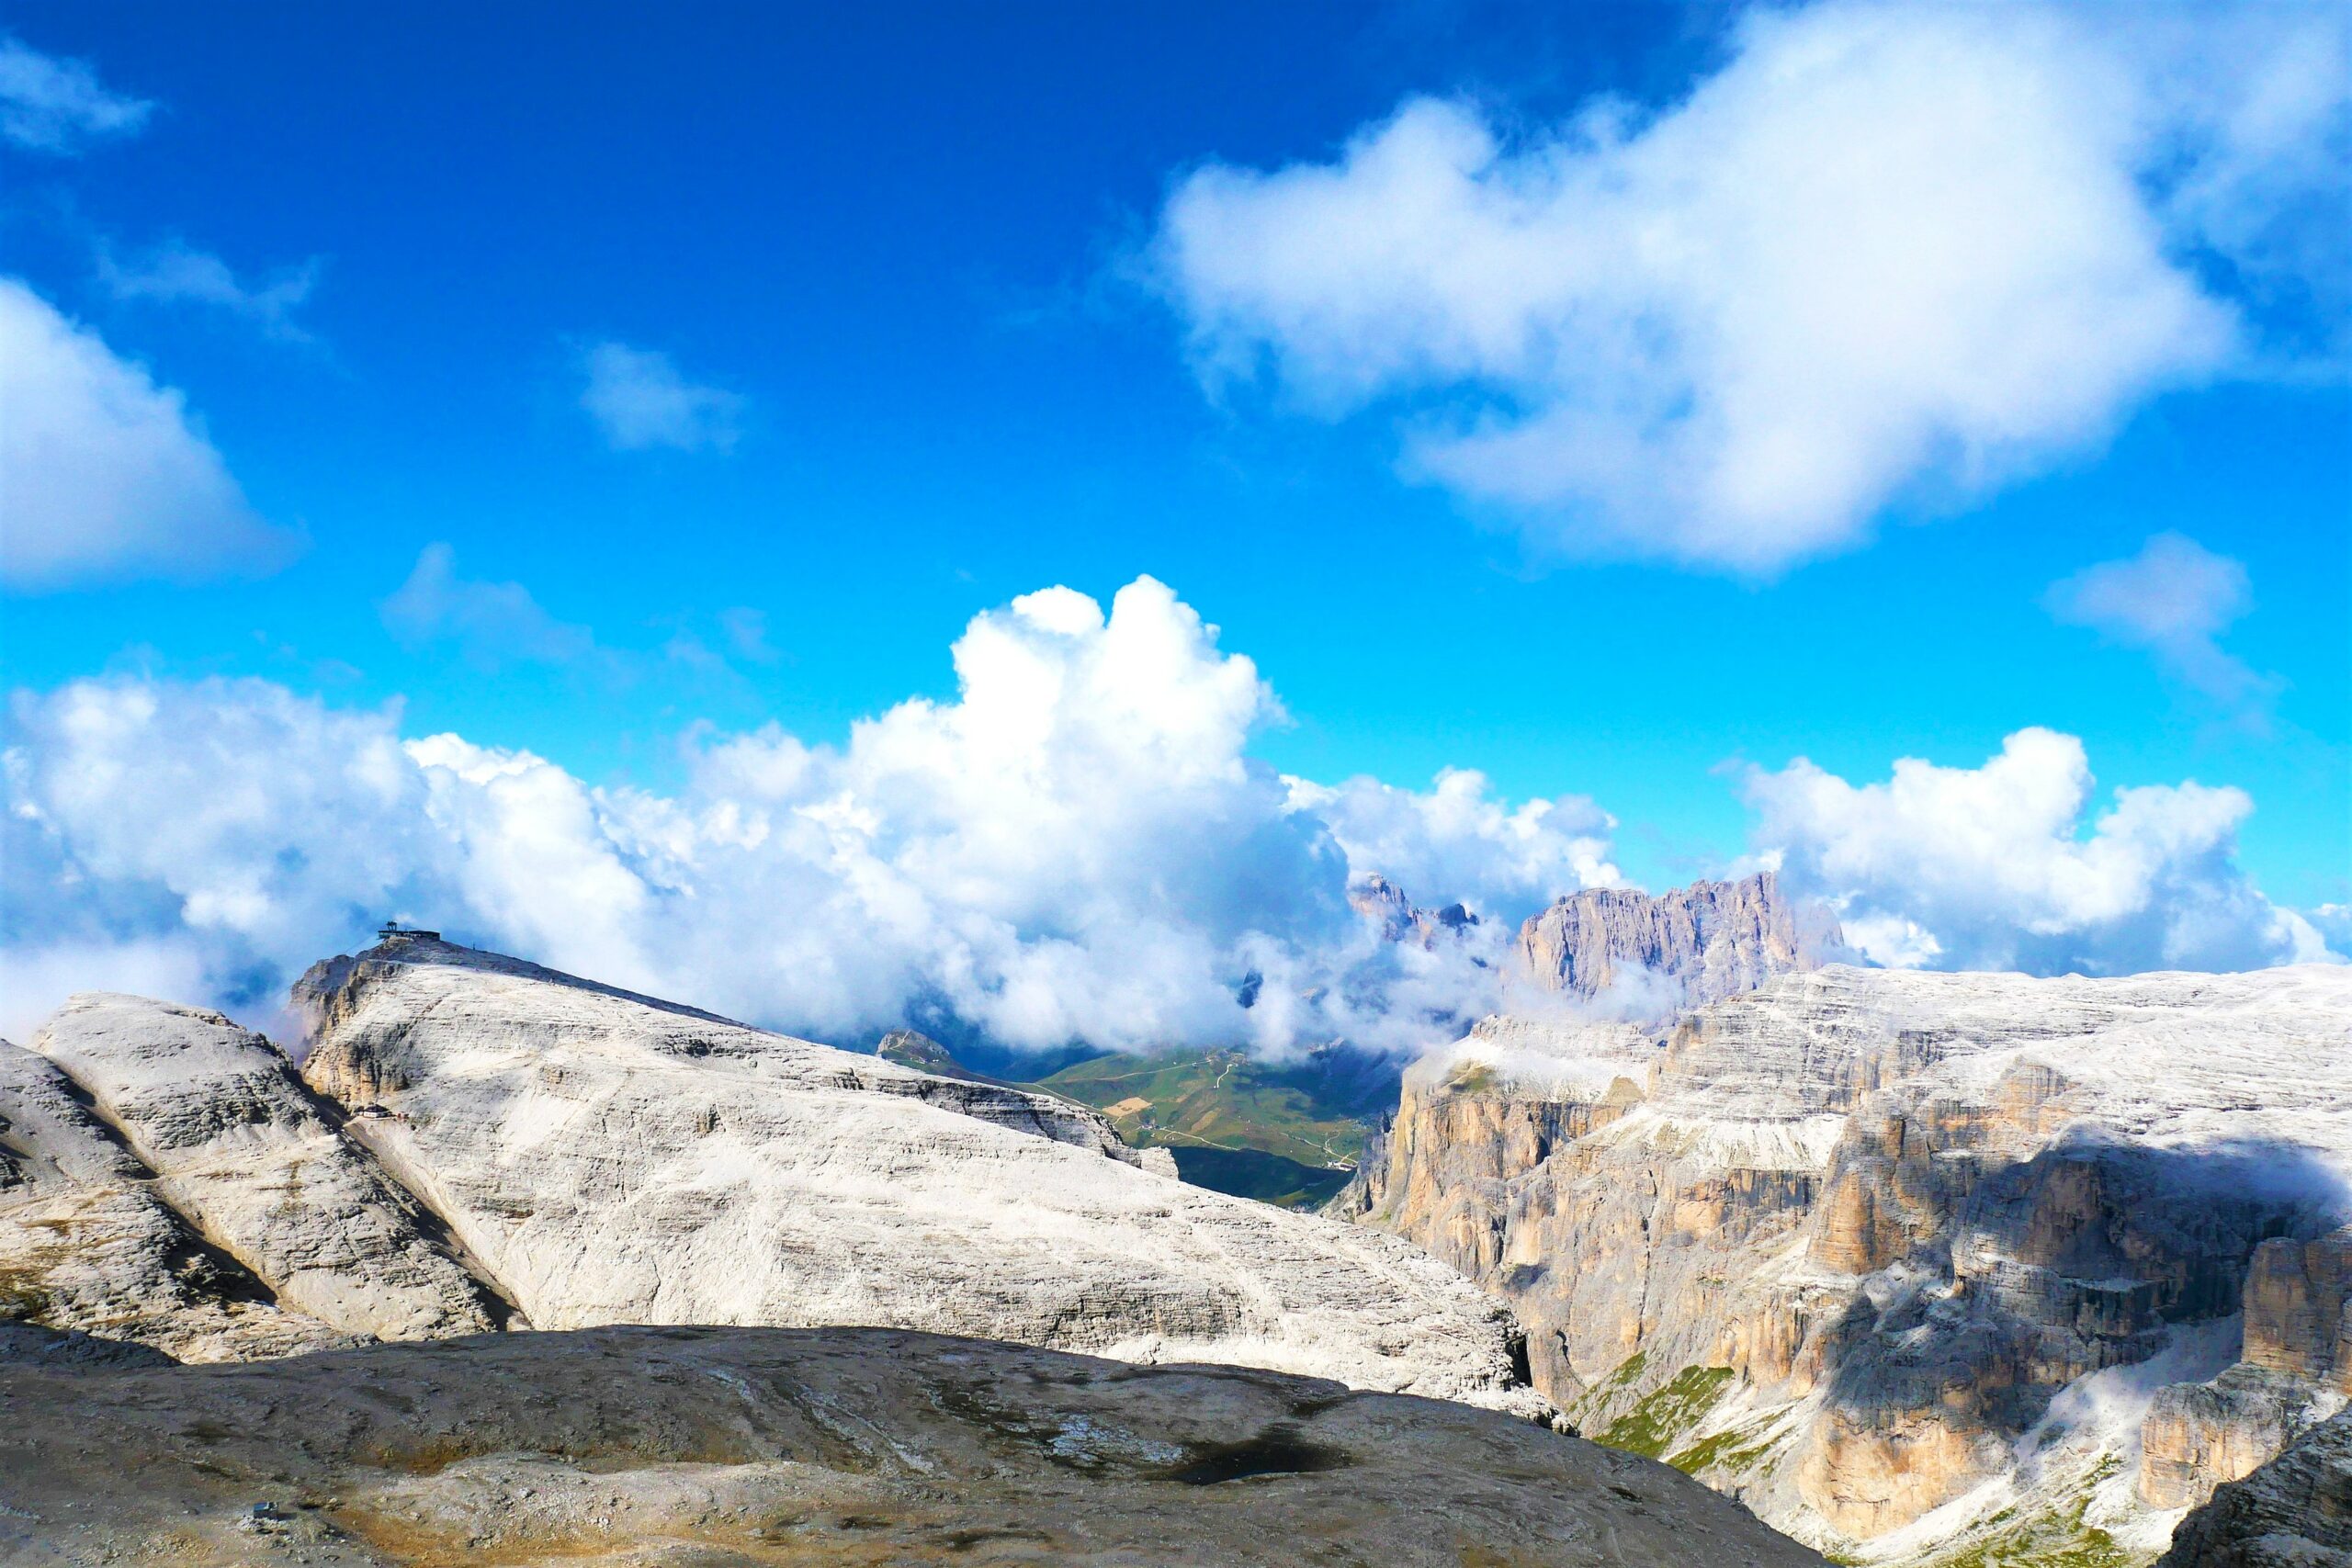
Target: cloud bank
[
  {"x": 1079, "y": 846},
  {"x": 1990, "y": 867},
  {"x": 1884, "y": 254},
  {"x": 105, "y": 473}
]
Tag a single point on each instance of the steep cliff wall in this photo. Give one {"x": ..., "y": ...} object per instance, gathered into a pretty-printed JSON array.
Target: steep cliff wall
[{"x": 1893, "y": 1255}]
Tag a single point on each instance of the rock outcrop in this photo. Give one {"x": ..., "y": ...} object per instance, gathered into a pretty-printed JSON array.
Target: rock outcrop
[
  {"x": 250, "y": 1156},
  {"x": 1401, "y": 919},
  {"x": 1893, "y": 1255},
  {"x": 1655, "y": 955},
  {"x": 610, "y": 1158},
  {"x": 88, "y": 1246},
  {"x": 631, "y": 1447},
  {"x": 2294, "y": 1512}
]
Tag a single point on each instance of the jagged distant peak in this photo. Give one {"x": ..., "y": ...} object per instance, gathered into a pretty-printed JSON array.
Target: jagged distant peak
[{"x": 1678, "y": 949}]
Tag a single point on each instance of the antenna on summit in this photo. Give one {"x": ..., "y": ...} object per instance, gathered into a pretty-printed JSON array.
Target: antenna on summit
[{"x": 392, "y": 930}]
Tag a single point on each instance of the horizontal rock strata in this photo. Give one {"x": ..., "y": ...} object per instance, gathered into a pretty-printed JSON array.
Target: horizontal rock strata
[{"x": 1861, "y": 1245}]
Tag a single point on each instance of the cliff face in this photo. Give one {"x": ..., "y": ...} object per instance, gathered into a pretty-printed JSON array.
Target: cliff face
[
  {"x": 1691, "y": 946},
  {"x": 1861, "y": 1246},
  {"x": 473, "y": 1140},
  {"x": 2294, "y": 1512}
]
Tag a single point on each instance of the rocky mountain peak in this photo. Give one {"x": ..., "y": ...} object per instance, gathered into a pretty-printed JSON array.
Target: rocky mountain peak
[{"x": 1685, "y": 948}]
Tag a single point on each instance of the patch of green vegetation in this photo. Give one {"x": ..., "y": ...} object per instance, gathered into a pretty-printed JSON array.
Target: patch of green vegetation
[
  {"x": 21, "y": 1298},
  {"x": 1251, "y": 1173},
  {"x": 2055, "y": 1538},
  {"x": 1308, "y": 1113},
  {"x": 1624, "y": 1377},
  {"x": 1737, "y": 1451},
  {"x": 1650, "y": 1429},
  {"x": 1476, "y": 1079}
]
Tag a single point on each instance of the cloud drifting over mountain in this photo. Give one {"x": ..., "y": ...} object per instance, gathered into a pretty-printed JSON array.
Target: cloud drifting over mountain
[
  {"x": 1989, "y": 867},
  {"x": 1884, "y": 254},
  {"x": 1079, "y": 846}
]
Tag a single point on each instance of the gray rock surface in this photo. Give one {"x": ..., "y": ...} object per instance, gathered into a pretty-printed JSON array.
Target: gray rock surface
[
  {"x": 1655, "y": 955},
  {"x": 1892, "y": 1255},
  {"x": 248, "y": 1154},
  {"x": 2294, "y": 1512},
  {"x": 749, "y": 1446},
  {"x": 88, "y": 1246},
  {"x": 609, "y": 1159}
]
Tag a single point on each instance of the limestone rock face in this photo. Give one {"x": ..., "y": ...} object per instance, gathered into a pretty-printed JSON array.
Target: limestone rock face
[
  {"x": 88, "y": 1246},
  {"x": 2198, "y": 1436},
  {"x": 609, "y": 1159},
  {"x": 2294, "y": 1512},
  {"x": 1861, "y": 1245},
  {"x": 244, "y": 1150},
  {"x": 1693, "y": 945},
  {"x": 627, "y": 1447},
  {"x": 1403, "y": 920}
]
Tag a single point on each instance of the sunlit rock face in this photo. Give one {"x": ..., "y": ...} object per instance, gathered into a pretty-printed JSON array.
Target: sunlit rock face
[
  {"x": 1891, "y": 1255},
  {"x": 1696, "y": 945},
  {"x": 2293, "y": 1512}
]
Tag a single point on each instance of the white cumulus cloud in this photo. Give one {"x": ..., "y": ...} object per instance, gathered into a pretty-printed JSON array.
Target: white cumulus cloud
[
  {"x": 1078, "y": 846},
  {"x": 638, "y": 400},
  {"x": 1885, "y": 254},
  {"x": 103, "y": 473},
  {"x": 1991, "y": 867},
  {"x": 54, "y": 106},
  {"x": 494, "y": 624},
  {"x": 175, "y": 273}
]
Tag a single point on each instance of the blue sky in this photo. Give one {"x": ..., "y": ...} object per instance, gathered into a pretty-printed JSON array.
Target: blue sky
[{"x": 923, "y": 264}]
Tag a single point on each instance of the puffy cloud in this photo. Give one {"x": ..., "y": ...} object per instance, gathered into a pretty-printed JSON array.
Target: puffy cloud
[
  {"x": 1883, "y": 254},
  {"x": 1078, "y": 846},
  {"x": 106, "y": 474},
  {"x": 175, "y": 273},
  {"x": 2173, "y": 600},
  {"x": 1989, "y": 867},
  {"x": 494, "y": 623},
  {"x": 638, "y": 400},
  {"x": 53, "y": 105}
]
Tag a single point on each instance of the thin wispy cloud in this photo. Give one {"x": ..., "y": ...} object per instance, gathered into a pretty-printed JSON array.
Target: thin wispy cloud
[
  {"x": 175, "y": 273},
  {"x": 108, "y": 474},
  {"x": 2172, "y": 601},
  {"x": 639, "y": 400},
  {"x": 490, "y": 623},
  {"x": 1886, "y": 257},
  {"x": 52, "y": 105}
]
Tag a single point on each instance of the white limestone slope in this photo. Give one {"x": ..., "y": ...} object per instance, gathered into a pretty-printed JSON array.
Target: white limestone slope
[
  {"x": 609, "y": 1159},
  {"x": 243, "y": 1151}
]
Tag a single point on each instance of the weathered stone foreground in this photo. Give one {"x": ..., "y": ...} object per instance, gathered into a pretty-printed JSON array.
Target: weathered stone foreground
[
  {"x": 2294, "y": 1512},
  {"x": 720, "y": 1448}
]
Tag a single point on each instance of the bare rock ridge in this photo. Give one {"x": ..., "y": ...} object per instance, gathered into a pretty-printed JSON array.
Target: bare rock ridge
[
  {"x": 1916, "y": 1261},
  {"x": 2294, "y": 1512},
  {"x": 245, "y": 1150},
  {"x": 625, "y": 1447},
  {"x": 89, "y": 1248},
  {"x": 1400, "y": 919},
  {"x": 1691, "y": 946},
  {"x": 474, "y": 1141}
]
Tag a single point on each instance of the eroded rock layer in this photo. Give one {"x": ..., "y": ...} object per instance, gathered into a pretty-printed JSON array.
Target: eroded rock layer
[
  {"x": 1696, "y": 945},
  {"x": 750, "y": 1447},
  {"x": 1897, "y": 1255}
]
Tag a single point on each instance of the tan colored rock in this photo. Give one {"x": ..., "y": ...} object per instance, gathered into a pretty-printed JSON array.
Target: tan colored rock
[
  {"x": 2299, "y": 1308},
  {"x": 1909, "y": 1214},
  {"x": 2198, "y": 1436},
  {"x": 2294, "y": 1512}
]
